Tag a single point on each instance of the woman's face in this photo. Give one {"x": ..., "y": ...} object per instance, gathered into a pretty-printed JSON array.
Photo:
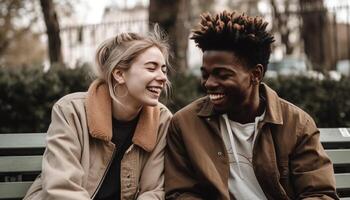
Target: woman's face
[{"x": 146, "y": 77}]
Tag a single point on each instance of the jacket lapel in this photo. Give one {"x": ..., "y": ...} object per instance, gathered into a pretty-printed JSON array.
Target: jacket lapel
[
  {"x": 265, "y": 165},
  {"x": 207, "y": 112},
  {"x": 99, "y": 118}
]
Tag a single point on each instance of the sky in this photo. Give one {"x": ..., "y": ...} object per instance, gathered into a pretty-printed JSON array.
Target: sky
[{"x": 92, "y": 12}]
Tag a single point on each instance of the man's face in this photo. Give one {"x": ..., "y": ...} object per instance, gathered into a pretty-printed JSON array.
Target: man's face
[{"x": 227, "y": 80}]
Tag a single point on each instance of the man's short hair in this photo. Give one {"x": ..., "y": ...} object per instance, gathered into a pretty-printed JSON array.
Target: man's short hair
[{"x": 244, "y": 35}]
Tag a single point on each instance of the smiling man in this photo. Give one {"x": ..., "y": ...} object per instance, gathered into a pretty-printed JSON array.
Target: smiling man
[{"x": 242, "y": 141}]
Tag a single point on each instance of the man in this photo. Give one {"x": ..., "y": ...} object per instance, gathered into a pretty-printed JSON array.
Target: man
[{"x": 242, "y": 141}]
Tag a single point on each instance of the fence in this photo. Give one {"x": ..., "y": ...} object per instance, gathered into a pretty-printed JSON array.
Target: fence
[{"x": 80, "y": 42}]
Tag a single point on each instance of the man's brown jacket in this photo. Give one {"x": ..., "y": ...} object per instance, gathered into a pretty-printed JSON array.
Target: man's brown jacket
[{"x": 288, "y": 158}]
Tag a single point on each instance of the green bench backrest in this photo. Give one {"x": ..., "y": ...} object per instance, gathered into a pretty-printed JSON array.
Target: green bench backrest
[{"x": 22, "y": 153}]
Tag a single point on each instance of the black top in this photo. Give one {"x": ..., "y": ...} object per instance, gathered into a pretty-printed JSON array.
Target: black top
[{"x": 122, "y": 138}]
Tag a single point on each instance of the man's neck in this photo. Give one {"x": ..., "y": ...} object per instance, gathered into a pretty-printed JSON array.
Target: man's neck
[{"x": 247, "y": 112}]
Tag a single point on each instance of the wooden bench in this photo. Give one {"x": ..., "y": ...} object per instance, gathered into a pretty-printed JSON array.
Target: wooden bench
[{"x": 21, "y": 154}]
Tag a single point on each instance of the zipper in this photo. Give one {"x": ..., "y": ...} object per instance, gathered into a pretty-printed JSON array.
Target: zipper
[{"x": 104, "y": 174}]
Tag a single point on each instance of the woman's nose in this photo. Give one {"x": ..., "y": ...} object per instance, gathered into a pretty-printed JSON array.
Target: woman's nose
[{"x": 161, "y": 76}]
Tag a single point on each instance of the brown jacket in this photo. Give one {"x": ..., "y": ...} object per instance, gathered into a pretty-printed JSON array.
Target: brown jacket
[
  {"x": 288, "y": 158},
  {"x": 79, "y": 150}
]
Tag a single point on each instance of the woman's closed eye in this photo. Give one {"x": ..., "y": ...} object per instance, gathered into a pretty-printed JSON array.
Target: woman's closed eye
[{"x": 164, "y": 69}]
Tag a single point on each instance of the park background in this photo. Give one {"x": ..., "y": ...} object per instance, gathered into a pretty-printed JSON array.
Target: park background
[{"x": 47, "y": 49}]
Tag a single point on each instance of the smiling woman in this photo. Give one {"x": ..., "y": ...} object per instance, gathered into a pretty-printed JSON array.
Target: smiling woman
[{"x": 108, "y": 143}]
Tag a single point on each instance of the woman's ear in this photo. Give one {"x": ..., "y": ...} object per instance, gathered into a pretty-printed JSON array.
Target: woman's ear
[{"x": 118, "y": 75}]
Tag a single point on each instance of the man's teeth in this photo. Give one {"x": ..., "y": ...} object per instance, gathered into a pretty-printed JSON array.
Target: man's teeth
[
  {"x": 155, "y": 89},
  {"x": 216, "y": 96}
]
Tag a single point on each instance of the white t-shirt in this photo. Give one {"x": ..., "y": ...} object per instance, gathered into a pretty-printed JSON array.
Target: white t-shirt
[{"x": 239, "y": 140}]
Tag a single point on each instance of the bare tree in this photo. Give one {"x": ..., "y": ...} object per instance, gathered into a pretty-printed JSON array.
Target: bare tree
[
  {"x": 175, "y": 19},
  {"x": 53, "y": 31},
  {"x": 316, "y": 32},
  {"x": 11, "y": 12},
  {"x": 280, "y": 23}
]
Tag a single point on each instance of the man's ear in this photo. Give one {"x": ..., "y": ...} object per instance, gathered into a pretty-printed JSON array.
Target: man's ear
[
  {"x": 257, "y": 73},
  {"x": 118, "y": 75}
]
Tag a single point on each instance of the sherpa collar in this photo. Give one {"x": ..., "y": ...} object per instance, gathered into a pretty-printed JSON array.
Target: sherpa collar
[{"x": 99, "y": 118}]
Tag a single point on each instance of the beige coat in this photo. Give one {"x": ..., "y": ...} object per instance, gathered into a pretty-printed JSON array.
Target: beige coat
[{"x": 79, "y": 150}]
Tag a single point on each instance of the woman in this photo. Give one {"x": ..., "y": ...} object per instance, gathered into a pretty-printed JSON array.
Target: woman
[{"x": 108, "y": 142}]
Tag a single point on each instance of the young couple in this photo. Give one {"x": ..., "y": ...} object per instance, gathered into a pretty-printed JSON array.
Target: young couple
[{"x": 241, "y": 141}]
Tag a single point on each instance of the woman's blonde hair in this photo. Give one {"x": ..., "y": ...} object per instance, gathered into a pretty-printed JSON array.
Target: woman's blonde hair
[{"x": 120, "y": 52}]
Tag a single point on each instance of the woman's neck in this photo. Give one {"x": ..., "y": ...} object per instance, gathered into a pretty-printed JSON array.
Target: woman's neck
[{"x": 124, "y": 111}]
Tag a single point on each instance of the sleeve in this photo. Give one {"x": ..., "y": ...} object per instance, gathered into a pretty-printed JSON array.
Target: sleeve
[
  {"x": 62, "y": 173},
  {"x": 179, "y": 180},
  {"x": 312, "y": 170},
  {"x": 152, "y": 176}
]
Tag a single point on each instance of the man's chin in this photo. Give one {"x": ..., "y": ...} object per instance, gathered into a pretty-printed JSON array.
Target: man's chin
[{"x": 220, "y": 109}]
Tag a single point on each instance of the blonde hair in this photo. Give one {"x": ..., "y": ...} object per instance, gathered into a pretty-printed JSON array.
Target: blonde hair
[{"x": 120, "y": 51}]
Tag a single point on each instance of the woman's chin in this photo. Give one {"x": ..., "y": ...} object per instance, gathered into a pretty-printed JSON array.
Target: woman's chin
[{"x": 151, "y": 102}]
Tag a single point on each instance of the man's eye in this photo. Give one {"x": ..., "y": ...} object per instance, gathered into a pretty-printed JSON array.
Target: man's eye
[
  {"x": 224, "y": 76},
  {"x": 204, "y": 75}
]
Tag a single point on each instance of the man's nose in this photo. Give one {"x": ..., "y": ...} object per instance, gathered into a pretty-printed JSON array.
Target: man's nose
[{"x": 210, "y": 83}]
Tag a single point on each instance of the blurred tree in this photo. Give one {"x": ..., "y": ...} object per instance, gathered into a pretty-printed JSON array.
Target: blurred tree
[
  {"x": 53, "y": 31},
  {"x": 201, "y": 6},
  {"x": 16, "y": 19},
  {"x": 250, "y": 7},
  {"x": 280, "y": 23},
  {"x": 316, "y": 32},
  {"x": 19, "y": 53},
  {"x": 20, "y": 21},
  {"x": 175, "y": 19}
]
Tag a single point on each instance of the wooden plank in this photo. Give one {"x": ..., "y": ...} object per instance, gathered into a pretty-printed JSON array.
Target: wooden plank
[
  {"x": 10, "y": 190},
  {"x": 22, "y": 140},
  {"x": 335, "y": 138},
  {"x": 343, "y": 181},
  {"x": 339, "y": 156},
  {"x": 334, "y": 135},
  {"x": 20, "y": 163}
]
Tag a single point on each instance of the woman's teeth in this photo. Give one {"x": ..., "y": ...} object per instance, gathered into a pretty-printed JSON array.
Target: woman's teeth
[{"x": 155, "y": 89}]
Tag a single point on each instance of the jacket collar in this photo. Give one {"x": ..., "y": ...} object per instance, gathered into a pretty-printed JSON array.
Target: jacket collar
[
  {"x": 273, "y": 106},
  {"x": 99, "y": 118}
]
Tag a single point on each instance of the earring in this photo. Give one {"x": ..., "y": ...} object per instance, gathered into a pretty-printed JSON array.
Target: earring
[{"x": 118, "y": 92}]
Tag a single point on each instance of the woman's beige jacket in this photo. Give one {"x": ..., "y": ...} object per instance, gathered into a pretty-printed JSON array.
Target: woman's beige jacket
[{"x": 79, "y": 150}]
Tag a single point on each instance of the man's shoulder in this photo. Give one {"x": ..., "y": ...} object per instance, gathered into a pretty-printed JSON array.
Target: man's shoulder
[
  {"x": 191, "y": 109},
  {"x": 289, "y": 108}
]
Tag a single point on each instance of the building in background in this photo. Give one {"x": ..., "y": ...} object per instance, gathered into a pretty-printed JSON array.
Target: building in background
[{"x": 80, "y": 42}]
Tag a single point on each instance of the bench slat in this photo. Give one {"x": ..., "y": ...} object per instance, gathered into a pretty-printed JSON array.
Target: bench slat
[
  {"x": 334, "y": 135},
  {"x": 20, "y": 163},
  {"x": 339, "y": 156},
  {"x": 23, "y": 140},
  {"x": 14, "y": 189},
  {"x": 37, "y": 140},
  {"x": 343, "y": 181}
]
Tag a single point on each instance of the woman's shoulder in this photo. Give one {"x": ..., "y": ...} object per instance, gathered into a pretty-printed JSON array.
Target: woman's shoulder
[
  {"x": 77, "y": 97},
  {"x": 72, "y": 103},
  {"x": 164, "y": 111}
]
